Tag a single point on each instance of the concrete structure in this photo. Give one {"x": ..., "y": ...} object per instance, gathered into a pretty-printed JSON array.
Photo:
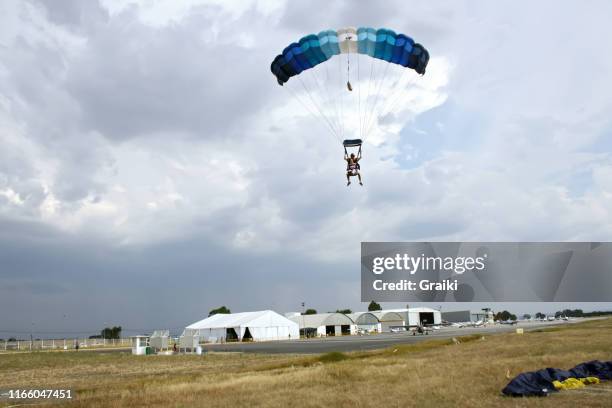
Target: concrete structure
[
  {"x": 248, "y": 326},
  {"x": 366, "y": 321},
  {"x": 389, "y": 320},
  {"x": 325, "y": 324}
]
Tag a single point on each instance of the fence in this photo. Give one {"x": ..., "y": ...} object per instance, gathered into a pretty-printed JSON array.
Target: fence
[{"x": 61, "y": 344}]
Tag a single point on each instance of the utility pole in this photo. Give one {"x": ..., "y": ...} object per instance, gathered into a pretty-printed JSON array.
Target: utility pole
[{"x": 304, "y": 319}]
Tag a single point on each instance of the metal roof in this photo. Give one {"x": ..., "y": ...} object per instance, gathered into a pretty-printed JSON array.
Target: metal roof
[
  {"x": 387, "y": 316},
  {"x": 263, "y": 318},
  {"x": 363, "y": 318},
  {"x": 322, "y": 319}
]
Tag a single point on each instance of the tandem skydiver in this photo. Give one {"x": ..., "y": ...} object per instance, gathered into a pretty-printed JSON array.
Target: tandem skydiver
[{"x": 352, "y": 167}]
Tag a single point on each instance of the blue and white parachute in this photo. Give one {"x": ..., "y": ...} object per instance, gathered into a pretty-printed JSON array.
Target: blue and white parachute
[
  {"x": 352, "y": 95},
  {"x": 383, "y": 44}
]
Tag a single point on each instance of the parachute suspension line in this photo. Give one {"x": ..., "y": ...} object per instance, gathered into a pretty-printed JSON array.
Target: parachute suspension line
[
  {"x": 332, "y": 98},
  {"x": 365, "y": 111},
  {"x": 309, "y": 86},
  {"x": 327, "y": 99},
  {"x": 359, "y": 94},
  {"x": 378, "y": 110},
  {"x": 294, "y": 94},
  {"x": 396, "y": 98},
  {"x": 341, "y": 94},
  {"x": 376, "y": 97},
  {"x": 317, "y": 107},
  {"x": 313, "y": 113},
  {"x": 374, "y": 94}
]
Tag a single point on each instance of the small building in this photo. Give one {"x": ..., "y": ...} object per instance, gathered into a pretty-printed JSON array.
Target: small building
[
  {"x": 140, "y": 345},
  {"x": 325, "y": 324},
  {"x": 248, "y": 326}
]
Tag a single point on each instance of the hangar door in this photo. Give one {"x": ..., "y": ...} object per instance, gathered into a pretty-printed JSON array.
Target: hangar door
[
  {"x": 426, "y": 318},
  {"x": 385, "y": 326}
]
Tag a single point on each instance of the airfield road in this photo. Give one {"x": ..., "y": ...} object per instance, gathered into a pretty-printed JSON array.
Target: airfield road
[{"x": 372, "y": 342}]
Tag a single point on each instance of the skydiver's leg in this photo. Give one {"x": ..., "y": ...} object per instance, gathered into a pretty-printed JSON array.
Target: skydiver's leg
[
  {"x": 348, "y": 178},
  {"x": 359, "y": 176}
]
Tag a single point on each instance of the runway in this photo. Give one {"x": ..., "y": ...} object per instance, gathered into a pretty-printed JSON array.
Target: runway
[{"x": 368, "y": 342}]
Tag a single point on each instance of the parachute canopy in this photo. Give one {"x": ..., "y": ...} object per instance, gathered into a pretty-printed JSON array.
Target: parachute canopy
[
  {"x": 356, "y": 80},
  {"x": 383, "y": 44}
]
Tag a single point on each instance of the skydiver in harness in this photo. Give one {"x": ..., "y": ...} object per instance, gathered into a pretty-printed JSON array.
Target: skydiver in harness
[{"x": 352, "y": 161}]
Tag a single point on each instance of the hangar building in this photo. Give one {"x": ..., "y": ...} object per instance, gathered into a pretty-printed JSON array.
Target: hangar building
[
  {"x": 465, "y": 316},
  {"x": 419, "y": 316},
  {"x": 389, "y": 319},
  {"x": 366, "y": 321},
  {"x": 325, "y": 324}
]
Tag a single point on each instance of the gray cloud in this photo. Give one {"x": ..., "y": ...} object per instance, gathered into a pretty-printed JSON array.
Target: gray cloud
[{"x": 148, "y": 172}]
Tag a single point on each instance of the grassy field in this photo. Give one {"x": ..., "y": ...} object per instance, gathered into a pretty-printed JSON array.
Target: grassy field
[{"x": 435, "y": 373}]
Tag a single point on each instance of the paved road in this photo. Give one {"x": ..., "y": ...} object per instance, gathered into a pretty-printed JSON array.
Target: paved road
[{"x": 371, "y": 342}]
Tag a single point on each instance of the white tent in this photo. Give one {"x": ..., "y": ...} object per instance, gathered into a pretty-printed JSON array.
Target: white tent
[{"x": 256, "y": 326}]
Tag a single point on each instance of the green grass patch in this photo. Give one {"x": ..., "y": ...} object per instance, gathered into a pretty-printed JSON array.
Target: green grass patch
[
  {"x": 333, "y": 357},
  {"x": 469, "y": 338},
  {"x": 547, "y": 330}
]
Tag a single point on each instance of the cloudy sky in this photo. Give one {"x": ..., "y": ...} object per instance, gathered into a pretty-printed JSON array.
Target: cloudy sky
[{"x": 152, "y": 169}]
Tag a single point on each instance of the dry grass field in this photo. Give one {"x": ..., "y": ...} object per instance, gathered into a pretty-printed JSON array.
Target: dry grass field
[{"x": 434, "y": 373}]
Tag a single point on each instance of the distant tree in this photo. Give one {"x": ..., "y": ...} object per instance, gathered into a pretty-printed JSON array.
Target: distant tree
[
  {"x": 344, "y": 311},
  {"x": 558, "y": 314},
  {"x": 373, "y": 306},
  {"x": 219, "y": 310},
  {"x": 540, "y": 315},
  {"x": 310, "y": 312},
  {"x": 577, "y": 313},
  {"x": 526, "y": 316},
  {"x": 111, "y": 332},
  {"x": 505, "y": 315},
  {"x": 12, "y": 339},
  {"x": 596, "y": 313}
]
